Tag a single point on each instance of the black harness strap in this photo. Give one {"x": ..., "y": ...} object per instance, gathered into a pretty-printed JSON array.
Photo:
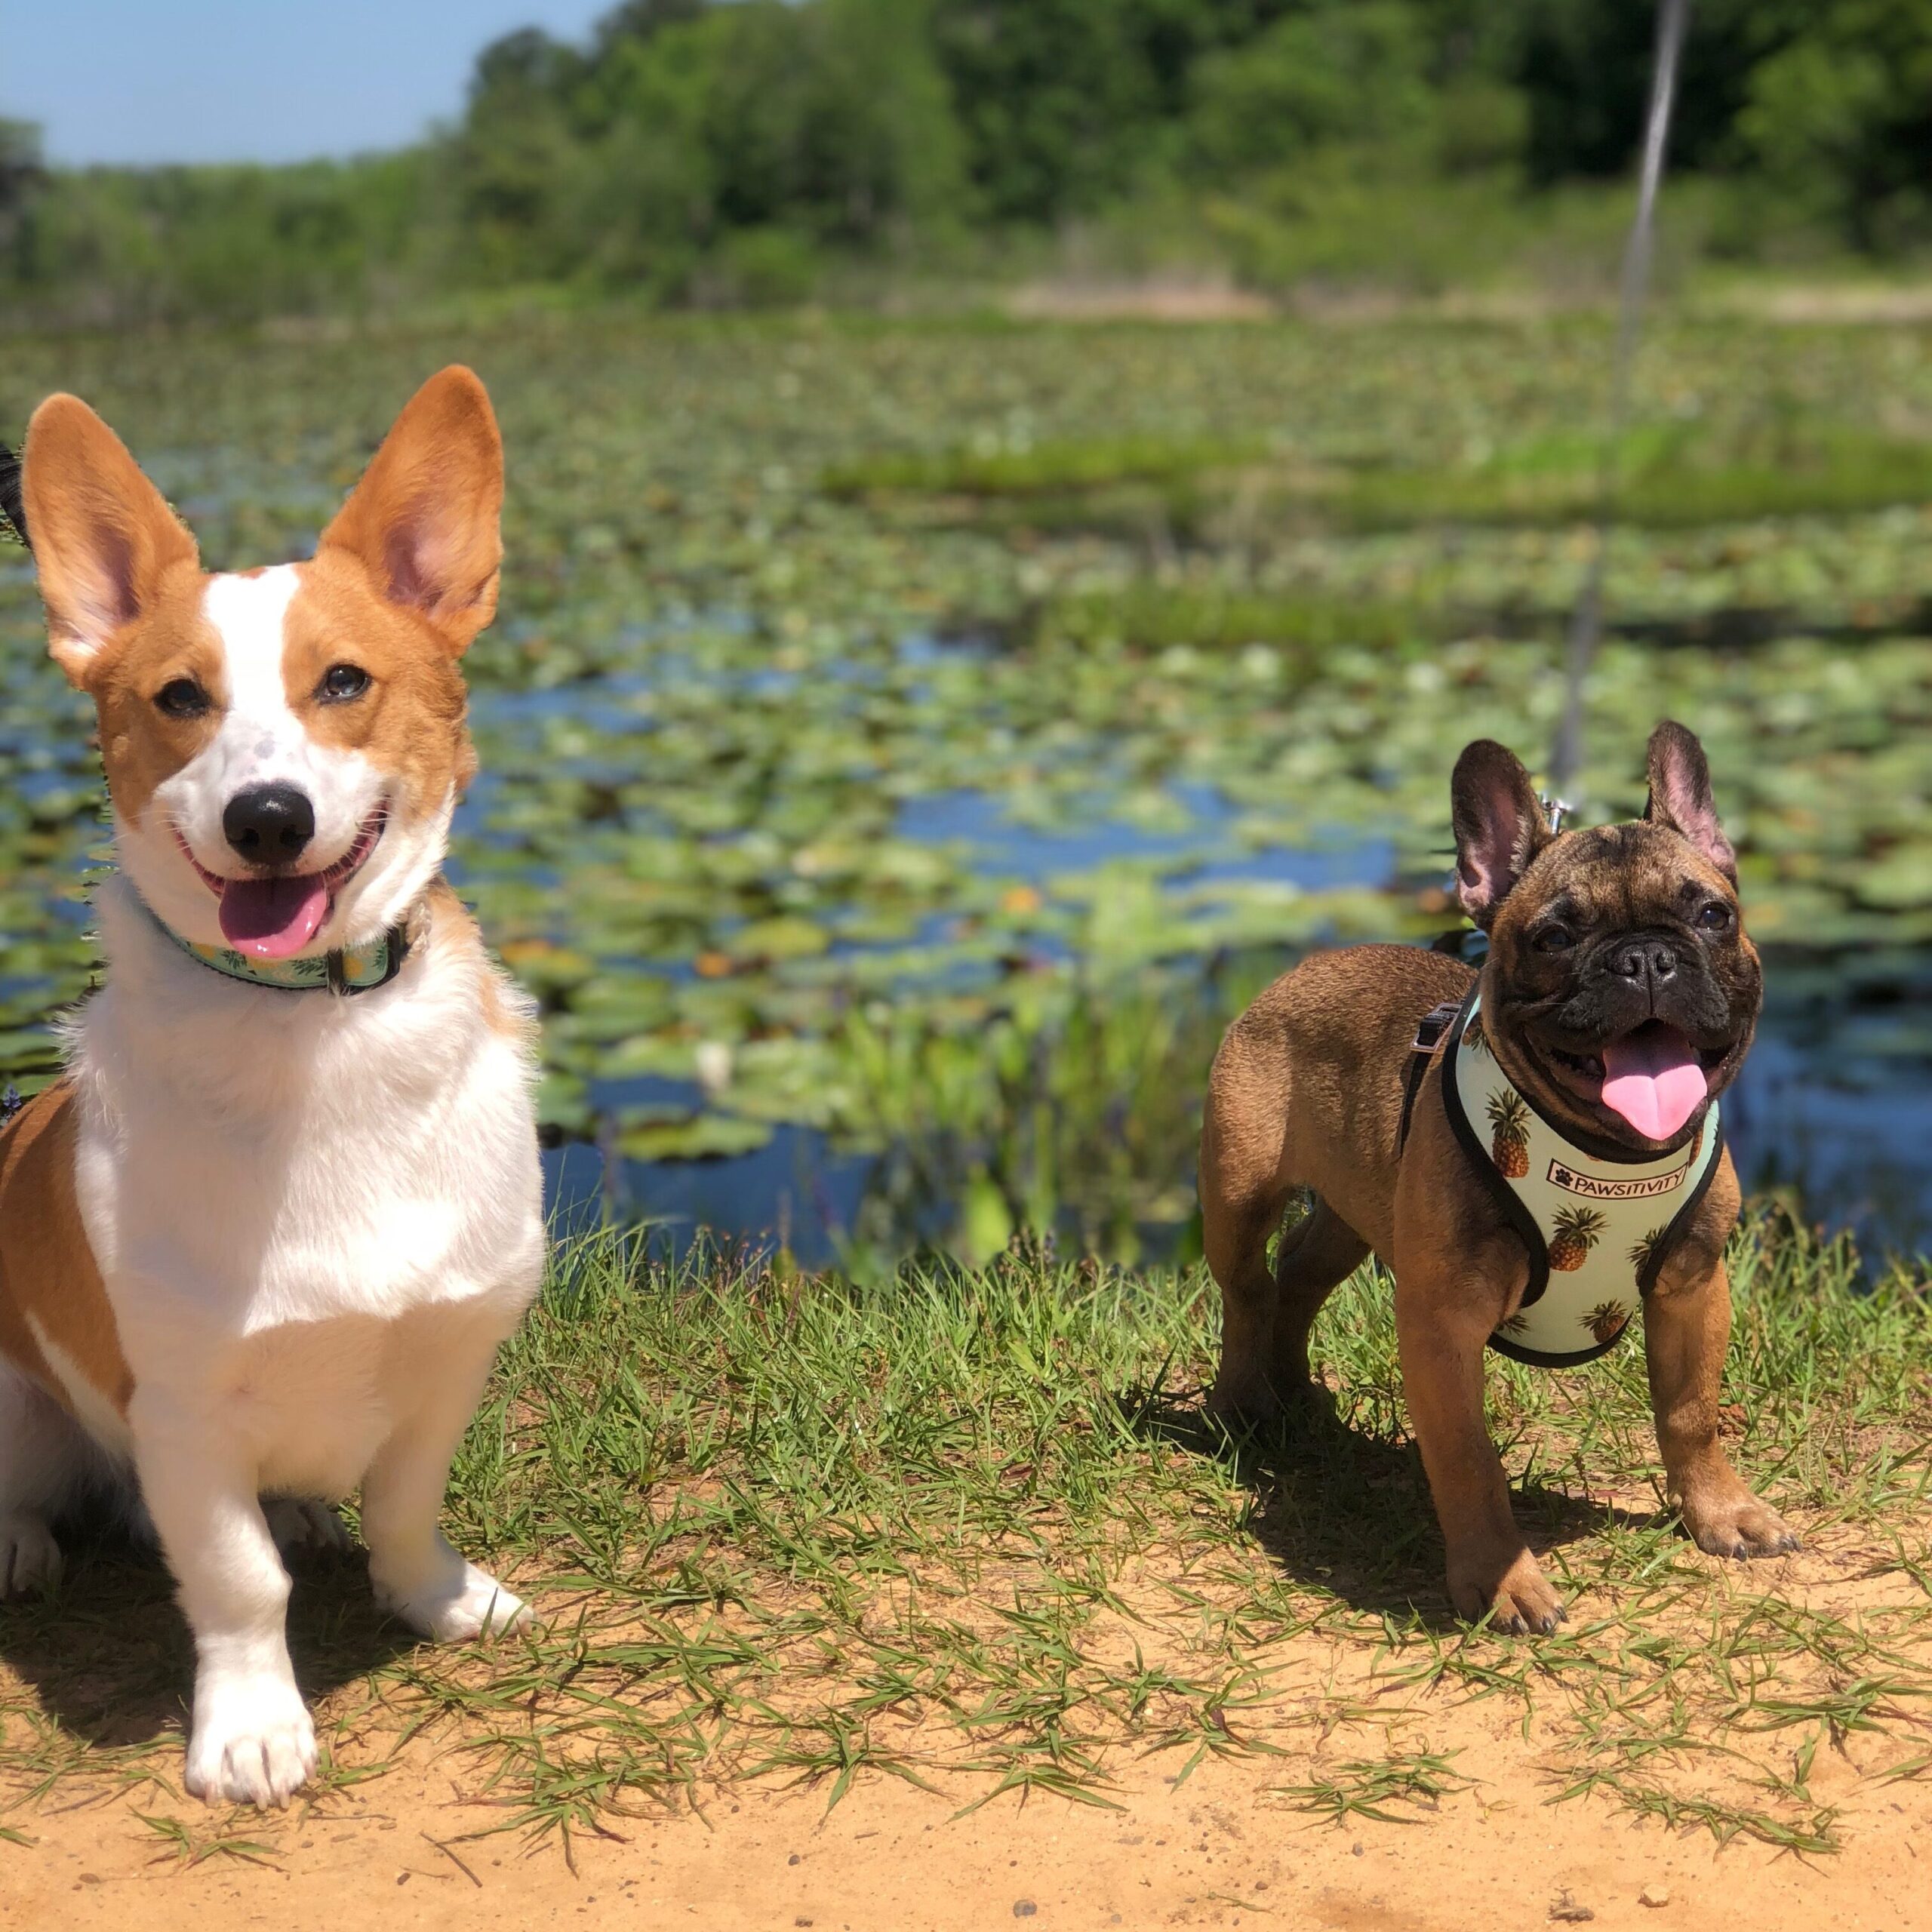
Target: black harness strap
[{"x": 1429, "y": 1030}]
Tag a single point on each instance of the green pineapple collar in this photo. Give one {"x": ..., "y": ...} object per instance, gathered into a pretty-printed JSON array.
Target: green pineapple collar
[{"x": 354, "y": 969}]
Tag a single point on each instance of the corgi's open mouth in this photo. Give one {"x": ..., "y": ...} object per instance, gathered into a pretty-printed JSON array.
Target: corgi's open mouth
[{"x": 274, "y": 915}]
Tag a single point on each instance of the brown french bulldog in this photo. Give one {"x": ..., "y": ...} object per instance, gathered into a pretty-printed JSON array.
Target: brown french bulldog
[{"x": 1619, "y": 998}]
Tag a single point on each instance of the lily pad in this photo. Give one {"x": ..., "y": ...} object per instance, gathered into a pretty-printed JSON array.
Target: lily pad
[{"x": 707, "y": 1137}]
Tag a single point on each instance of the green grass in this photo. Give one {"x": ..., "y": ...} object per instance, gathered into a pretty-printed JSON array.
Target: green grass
[{"x": 970, "y": 1530}]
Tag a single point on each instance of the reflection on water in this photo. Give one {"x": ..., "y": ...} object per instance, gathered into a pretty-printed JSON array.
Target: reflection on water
[
  {"x": 1194, "y": 852},
  {"x": 796, "y": 1189},
  {"x": 1848, "y": 1140},
  {"x": 1834, "y": 1107}
]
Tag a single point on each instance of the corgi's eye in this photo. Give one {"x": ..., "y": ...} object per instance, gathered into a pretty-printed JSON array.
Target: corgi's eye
[
  {"x": 182, "y": 698},
  {"x": 341, "y": 682}
]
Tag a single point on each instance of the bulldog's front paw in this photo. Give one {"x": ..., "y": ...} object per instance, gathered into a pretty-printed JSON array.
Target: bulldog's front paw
[
  {"x": 253, "y": 1742},
  {"x": 472, "y": 1604},
  {"x": 1510, "y": 1590},
  {"x": 1737, "y": 1526}
]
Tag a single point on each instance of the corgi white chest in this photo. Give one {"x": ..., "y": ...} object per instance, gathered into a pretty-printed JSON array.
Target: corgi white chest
[{"x": 271, "y": 1182}]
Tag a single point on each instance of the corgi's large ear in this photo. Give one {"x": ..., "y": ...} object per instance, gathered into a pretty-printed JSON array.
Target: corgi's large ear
[
  {"x": 424, "y": 520},
  {"x": 103, "y": 536}
]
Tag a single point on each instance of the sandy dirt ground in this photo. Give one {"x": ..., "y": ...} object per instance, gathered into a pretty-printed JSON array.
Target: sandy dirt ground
[
  {"x": 1218, "y": 1850},
  {"x": 417, "y": 1842}
]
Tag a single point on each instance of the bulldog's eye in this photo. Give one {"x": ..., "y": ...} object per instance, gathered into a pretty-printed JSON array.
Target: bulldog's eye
[
  {"x": 1552, "y": 939},
  {"x": 1714, "y": 917},
  {"x": 341, "y": 682},
  {"x": 182, "y": 698}
]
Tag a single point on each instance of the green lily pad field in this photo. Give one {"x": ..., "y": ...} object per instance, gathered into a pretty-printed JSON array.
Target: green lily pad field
[{"x": 904, "y": 744}]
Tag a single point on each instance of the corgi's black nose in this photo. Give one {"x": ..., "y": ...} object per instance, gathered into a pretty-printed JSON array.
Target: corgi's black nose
[{"x": 269, "y": 825}]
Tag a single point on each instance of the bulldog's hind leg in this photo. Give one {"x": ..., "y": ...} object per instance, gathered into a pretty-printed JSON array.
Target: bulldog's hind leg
[
  {"x": 45, "y": 1461},
  {"x": 1243, "y": 1193},
  {"x": 1315, "y": 1257},
  {"x": 1246, "y": 1179}
]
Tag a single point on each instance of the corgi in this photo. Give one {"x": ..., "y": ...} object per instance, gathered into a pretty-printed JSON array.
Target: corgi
[{"x": 262, "y": 1237}]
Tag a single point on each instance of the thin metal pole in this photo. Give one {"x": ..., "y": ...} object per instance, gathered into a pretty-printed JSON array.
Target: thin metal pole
[{"x": 1586, "y": 623}]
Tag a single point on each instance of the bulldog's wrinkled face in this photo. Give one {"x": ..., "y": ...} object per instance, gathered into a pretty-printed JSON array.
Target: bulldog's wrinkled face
[
  {"x": 284, "y": 747},
  {"x": 1621, "y": 993}
]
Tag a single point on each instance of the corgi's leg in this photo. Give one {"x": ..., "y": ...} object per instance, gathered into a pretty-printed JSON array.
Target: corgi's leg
[
  {"x": 303, "y": 1526},
  {"x": 252, "y": 1741},
  {"x": 417, "y": 1576},
  {"x": 45, "y": 1459}
]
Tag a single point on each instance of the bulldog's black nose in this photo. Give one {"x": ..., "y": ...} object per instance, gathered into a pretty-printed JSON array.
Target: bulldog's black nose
[
  {"x": 269, "y": 825},
  {"x": 1645, "y": 961}
]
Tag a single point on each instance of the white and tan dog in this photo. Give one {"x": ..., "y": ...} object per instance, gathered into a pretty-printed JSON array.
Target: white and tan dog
[{"x": 264, "y": 1236}]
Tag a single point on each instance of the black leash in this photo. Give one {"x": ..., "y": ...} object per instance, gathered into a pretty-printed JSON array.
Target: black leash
[{"x": 1586, "y": 625}]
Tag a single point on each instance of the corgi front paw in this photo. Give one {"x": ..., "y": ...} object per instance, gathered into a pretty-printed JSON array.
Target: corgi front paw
[
  {"x": 471, "y": 1604},
  {"x": 253, "y": 1742},
  {"x": 29, "y": 1558}
]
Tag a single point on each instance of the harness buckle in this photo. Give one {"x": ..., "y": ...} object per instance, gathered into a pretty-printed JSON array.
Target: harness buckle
[{"x": 1433, "y": 1024}]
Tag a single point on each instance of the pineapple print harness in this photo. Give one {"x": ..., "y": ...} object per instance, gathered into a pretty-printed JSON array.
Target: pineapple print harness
[{"x": 1597, "y": 1231}]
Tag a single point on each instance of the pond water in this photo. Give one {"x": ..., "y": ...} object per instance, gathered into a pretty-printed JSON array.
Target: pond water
[
  {"x": 1832, "y": 1111},
  {"x": 888, "y": 858}
]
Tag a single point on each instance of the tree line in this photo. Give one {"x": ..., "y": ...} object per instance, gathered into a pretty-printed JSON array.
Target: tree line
[{"x": 721, "y": 149}]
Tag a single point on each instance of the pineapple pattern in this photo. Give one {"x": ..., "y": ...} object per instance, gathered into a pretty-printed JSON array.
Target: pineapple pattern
[
  {"x": 1575, "y": 1231},
  {"x": 1602, "y": 1222},
  {"x": 1641, "y": 1251},
  {"x": 1607, "y": 1320},
  {"x": 1509, "y": 1140}
]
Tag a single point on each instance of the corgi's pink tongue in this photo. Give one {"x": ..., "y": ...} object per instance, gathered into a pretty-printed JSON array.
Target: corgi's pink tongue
[
  {"x": 1654, "y": 1080},
  {"x": 273, "y": 919}
]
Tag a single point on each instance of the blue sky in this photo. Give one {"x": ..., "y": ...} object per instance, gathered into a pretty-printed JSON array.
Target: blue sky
[{"x": 248, "y": 80}]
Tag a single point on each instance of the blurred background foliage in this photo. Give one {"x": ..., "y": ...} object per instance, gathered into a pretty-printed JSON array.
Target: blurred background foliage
[
  {"x": 910, "y": 734},
  {"x": 762, "y": 153}
]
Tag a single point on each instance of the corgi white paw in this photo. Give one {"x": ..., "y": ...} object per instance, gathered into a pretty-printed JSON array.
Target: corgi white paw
[
  {"x": 303, "y": 1527},
  {"x": 29, "y": 1558},
  {"x": 253, "y": 1742},
  {"x": 473, "y": 1604}
]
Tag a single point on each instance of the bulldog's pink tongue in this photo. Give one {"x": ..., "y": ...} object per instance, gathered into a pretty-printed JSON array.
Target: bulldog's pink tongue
[
  {"x": 273, "y": 919},
  {"x": 1652, "y": 1079}
]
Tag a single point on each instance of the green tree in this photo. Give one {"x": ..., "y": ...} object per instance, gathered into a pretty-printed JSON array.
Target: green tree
[
  {"x": 1840, "y": 118},
  {"x": 1355, "y": 70}
]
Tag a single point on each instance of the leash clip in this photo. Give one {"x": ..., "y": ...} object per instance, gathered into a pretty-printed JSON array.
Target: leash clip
[{"x": 1555, "y": 809}]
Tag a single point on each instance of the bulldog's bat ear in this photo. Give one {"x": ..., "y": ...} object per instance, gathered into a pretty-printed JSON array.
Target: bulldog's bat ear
[
  {"x": 1499, "y": 826},
  {"x": 1680, "y": 795}
]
